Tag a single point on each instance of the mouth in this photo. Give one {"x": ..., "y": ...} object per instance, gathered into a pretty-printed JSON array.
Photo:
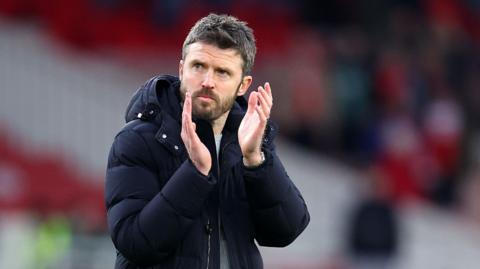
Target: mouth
[{"x": 205, "y": 97}]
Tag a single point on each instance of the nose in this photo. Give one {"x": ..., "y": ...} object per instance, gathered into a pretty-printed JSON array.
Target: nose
[{"x": 208, "y": 81}]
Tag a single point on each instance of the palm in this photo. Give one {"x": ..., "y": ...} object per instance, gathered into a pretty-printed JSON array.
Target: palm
[
  {"x": 198, "y": 152},
  {"x": 250, "y": 133}
]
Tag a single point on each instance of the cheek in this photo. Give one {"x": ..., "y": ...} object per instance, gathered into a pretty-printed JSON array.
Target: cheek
[
  {"x": 189, "y": 80},
  {"x": 229, "y": 94},
  {"x": 194, "y": 78}
]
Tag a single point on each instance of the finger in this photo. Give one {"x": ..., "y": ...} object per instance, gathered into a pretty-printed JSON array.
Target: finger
[
  {"x": 187, "y": 106},
  {"x": 188, "y": 112},
  {"x": 190, "y": 126},
  {"x": 190, "y": 130},
  {"x": 185, "y": 112},
  {"x": 268, "y": 88},
  {"x": 252, "y": 102},
  {"x": 184, "y": 132},
  {"x": 187, "y": 119},
  {"x": 267, "y": 92},
  {"x": 185, "y": 123},
  {"x": 261, "y": 114},
  {"x": 263, "y": 103},
  {"x": 263, "y": 92}
]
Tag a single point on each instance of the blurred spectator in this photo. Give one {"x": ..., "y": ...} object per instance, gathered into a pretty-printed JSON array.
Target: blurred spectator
[
  {"x": 470, "y": 196},
  {"x": 443, "y": 124},
  {"x": 351, "y": 92},
  {"x": 313, "y": 122},
  {"x": 402, "y": 158},
  {"x": 373, "y": 235},
  {"x": 469, "y": 192}
]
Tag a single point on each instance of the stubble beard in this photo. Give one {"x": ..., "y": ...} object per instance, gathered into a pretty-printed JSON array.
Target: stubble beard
[{"x": 213, "y": 111}]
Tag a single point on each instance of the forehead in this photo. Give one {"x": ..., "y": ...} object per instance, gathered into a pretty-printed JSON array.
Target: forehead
[{"x": 212, "y": 54}]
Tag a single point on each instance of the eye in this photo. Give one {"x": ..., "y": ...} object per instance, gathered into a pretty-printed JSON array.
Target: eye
[
  {"x": 223, "y": 73},
  {"x": 197, "y": 66}
]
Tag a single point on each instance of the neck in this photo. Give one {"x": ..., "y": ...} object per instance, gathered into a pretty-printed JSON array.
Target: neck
[{"x": 219, "y": 123}]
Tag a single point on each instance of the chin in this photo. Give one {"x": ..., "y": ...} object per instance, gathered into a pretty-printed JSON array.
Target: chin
[{"x": 204, "y": 115}]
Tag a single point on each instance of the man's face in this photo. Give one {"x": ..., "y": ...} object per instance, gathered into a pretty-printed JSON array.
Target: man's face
[{"x": 213, "y": 76}]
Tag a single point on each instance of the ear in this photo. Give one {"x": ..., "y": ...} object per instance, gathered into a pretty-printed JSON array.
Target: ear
[
  {"x": 246, "y": 82},
  {"x": 180, "y": 69}
]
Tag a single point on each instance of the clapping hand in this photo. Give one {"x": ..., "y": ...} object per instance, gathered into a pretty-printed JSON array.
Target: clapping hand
[
  {"x": 252, "y": 127},
  {"x": 197, "y": 151}
]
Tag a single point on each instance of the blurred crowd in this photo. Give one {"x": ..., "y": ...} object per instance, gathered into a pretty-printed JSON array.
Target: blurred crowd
[{"x": 394, "y": 89}]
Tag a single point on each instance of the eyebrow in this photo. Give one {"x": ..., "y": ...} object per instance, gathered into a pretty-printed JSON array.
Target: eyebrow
[
  {"x": 222, "y": 68},
  {"x": 196, "y": 61}
]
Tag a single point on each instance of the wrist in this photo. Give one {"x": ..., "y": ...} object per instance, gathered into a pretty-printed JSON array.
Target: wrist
[
  {"x": 204, "y": 170},
  {"x": 254, "y": 160}
]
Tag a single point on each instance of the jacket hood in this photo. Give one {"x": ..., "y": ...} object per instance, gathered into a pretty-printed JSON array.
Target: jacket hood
[{"x": 145, "y": 102}]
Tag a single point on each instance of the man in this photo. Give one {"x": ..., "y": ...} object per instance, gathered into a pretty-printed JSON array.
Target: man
[{"x": 193, "y": 178}]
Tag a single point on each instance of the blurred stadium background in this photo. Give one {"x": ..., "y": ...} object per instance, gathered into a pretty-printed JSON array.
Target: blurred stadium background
[{"x": 378, "y": 104}]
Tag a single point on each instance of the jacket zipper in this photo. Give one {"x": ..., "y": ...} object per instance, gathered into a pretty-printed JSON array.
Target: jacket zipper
[
  {"x": 219, "y": 196},
  {"x": 208, "y": 227},
  {"x": 220, "y": 221},
  {"x": 209, "y": 230}
]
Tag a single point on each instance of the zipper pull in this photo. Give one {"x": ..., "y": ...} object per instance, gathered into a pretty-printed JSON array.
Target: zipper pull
[{"x": 208, "y": 228}]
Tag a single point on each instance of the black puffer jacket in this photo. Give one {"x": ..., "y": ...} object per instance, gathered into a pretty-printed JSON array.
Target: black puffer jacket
[{"x": 163, "y": 213}]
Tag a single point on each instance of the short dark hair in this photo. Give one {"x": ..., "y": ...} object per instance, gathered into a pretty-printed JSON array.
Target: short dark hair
[{"x": 225, "y": 32}]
